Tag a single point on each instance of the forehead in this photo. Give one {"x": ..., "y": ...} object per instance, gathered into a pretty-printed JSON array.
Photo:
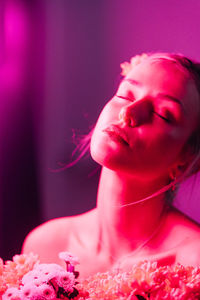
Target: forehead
[
  {"x": 157, "y": 75},
  {"x": 161, "y": 74}
]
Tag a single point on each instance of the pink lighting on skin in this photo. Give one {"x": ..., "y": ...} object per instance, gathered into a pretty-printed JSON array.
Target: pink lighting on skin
[{"x": 121, "y": 231}]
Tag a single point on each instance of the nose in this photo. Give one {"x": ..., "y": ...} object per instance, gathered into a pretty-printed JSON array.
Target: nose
[{"x": 136, "y": 113}]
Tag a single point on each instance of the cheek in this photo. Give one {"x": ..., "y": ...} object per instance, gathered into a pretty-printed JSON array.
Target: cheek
[
  {"x": 156, "y": 147},
  {"x": 164, "y": 148},
  {"x": 103, "y": 150},
  {"x": 110, "y": 113},
  {"x": 97, "y": 144},
  {"x": 153, "y": 148}
]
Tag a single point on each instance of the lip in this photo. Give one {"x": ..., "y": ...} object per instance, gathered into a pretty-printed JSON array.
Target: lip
[{"x": 116, "y": 133}]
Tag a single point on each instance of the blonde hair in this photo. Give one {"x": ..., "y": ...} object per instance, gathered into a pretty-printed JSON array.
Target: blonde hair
[{"x": 192, "y": 69}]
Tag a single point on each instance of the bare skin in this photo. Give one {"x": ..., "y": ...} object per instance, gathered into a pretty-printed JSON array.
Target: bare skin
[
  {"x": 130, "y": 140},
  {"x": 177, "y": 241}
]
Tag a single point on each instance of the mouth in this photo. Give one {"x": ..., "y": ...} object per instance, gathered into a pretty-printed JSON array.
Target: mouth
[{"x": 116, "y": 133}]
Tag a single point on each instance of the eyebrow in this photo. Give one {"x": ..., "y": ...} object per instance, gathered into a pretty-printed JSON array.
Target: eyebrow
[
  {"x": 169, "y": 97},
  {"x": 132, "y": 81},
  {"x": 174, "y": 99}
]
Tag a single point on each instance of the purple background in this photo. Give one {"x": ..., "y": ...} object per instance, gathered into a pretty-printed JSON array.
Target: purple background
[{"x": 59, "y": 64}]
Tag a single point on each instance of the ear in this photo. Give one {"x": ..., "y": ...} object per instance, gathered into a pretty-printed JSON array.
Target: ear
[
  {"x": 185, "y": 158},
  {"x": 177, "y": 170}
]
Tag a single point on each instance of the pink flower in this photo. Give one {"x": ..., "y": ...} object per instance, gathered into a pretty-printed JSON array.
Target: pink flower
[
  {"x": 44, "y": 281},
  {"x": 12, "y": 293},
  {"x": 33, "y": 277},
  {"x": 48, "y": 268},
  {"x": 42, "y": 273},
  {"x": 69, "y": 258},
  {"x": 66, "y": 280},
  {"x": 29, "y": 291},
  {"x": 40, "y": 292},
  {"x": 132, "y": 297},
  {"x": 47, "y": 291},
  {"x": 1, "y": 266},
  {"x": 48, "y": 281},
  {"x": 13, "y": 271}
]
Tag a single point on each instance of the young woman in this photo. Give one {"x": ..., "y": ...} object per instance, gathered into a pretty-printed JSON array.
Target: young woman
[{"x": 146, "y": 140}]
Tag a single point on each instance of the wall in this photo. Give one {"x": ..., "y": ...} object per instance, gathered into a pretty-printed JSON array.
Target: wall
[
  {"x": 68, "y": 67},
  {"x": 86, "y": 42}
]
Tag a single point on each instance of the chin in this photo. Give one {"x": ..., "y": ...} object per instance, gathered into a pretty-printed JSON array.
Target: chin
[
  {"x": 99, "y": 149},
  {"x": 101, "y": 157},
  {"x": 104, "y": 150},
  {"x": 110, "y": 160},
  {"x": 109, "y": 155}
]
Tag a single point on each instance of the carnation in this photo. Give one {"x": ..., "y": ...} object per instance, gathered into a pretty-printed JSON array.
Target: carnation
[
  {"x": 69, "y": 258},
  {"x": 25, "y": 278},
  {"x": 145, "y": 281},
  {"x": 12, "y": 272}
]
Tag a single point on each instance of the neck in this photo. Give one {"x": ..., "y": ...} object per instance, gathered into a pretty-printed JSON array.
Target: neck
[{"x": 121, "y": 223}]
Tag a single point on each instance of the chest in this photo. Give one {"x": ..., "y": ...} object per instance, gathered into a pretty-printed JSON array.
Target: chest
[
  {"x": 167, "y": 249},
  {"x": 92, "y": 261}
]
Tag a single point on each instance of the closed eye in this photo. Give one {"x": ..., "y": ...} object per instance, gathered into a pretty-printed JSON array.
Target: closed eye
[
  {"x": 168, "y": 117},
  {"x": 125, "y": 98},
  {"x": 168, "y": 120}
]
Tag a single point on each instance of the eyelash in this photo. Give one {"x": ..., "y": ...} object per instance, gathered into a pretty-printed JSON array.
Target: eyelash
[
  {"x": 160, "y": 116},
  {"x": 126, "y": 98}
]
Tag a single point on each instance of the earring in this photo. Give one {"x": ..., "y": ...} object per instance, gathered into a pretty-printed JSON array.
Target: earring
[
  {"x": 173, "y": 188},
  {"x": 173, "y": 180}
]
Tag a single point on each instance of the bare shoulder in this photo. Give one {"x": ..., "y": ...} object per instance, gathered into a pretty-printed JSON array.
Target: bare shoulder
[
  {"x": 46, "y": 237},
  {"x": 185, "y": 233},
  {"x": 54, "y": 236},
  {"x": 183, "y": 223}
]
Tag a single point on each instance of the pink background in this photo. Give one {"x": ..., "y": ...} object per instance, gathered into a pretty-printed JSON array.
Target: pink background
[{"x": 59, "y": 64}]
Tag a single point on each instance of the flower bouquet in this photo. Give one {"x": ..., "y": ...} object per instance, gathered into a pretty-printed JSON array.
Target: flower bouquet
[{"x": 26, "y": 278}]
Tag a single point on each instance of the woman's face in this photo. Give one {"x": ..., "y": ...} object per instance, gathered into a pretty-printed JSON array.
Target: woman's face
[{"x": 142, "y": 130}]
